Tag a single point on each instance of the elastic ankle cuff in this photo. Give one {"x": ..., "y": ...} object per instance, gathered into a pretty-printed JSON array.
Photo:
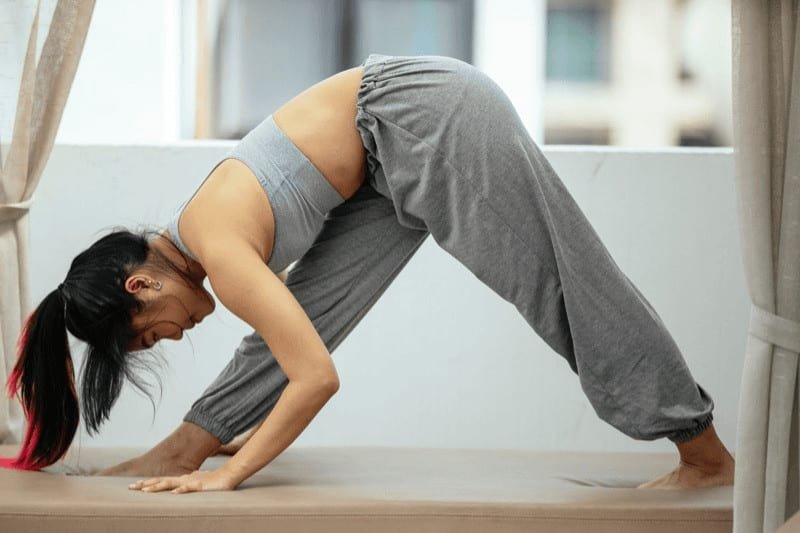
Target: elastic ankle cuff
[
  {"x": 685, "y": 435},
  {"x": 216, "y": 428}
]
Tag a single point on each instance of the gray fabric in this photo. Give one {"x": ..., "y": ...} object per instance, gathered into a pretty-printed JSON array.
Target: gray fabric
[
  {"x": 447, "y": 154},
  {"x": 357, "y": 254},
  {"x": 447, "y": 144},
  {"x": 766, "y": 126},
  {"x": 299, "y": 195}
]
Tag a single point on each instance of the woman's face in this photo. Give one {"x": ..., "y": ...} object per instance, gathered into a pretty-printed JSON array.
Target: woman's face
[{"x": 171, "y": 310}]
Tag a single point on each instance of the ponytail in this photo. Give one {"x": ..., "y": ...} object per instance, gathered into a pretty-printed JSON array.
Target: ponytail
[
  {"x": 43, "y": 379},
  {"x": 94, "y": 306}
]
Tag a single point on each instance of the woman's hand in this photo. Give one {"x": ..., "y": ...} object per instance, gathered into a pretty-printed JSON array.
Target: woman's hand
[{"x": 197, "y": 481}]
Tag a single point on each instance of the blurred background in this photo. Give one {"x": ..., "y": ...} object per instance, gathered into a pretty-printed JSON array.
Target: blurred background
[{"x": 644, "y": 73}]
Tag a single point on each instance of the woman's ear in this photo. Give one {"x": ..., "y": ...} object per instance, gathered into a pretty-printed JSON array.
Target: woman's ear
[{"x": 136, "y": 282}]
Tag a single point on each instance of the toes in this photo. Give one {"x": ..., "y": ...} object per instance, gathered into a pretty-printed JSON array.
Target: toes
[{"x": 657, "y": 483}]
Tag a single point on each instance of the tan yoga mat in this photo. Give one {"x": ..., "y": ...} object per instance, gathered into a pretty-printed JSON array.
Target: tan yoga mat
[{"x": 358, "y": 489}]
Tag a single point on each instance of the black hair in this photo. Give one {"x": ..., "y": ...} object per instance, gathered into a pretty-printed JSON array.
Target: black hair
[{"x": 92, "y": 304}]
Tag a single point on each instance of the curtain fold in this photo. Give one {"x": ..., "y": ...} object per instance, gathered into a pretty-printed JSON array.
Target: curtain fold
[
  {"x": 766, "y": 123},
  {"x": 44, "y": 88}
]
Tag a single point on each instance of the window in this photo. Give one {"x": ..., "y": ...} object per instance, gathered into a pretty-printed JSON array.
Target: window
[
  {"x": 577, "y": 136},
  {"x": 267, "y": 51},
  {"x": 577, "y": 43}
]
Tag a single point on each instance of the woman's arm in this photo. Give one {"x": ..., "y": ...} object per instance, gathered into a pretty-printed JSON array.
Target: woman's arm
[
  {"x": 236, "y": 444},
  {"x": 184, "y": 450},
  {"x": 249, "y": 289}
]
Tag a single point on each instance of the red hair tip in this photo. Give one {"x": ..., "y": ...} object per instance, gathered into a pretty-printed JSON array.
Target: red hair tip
[
  {"x": 12, "y": 384},
  {"x": 15, "y": 464}
]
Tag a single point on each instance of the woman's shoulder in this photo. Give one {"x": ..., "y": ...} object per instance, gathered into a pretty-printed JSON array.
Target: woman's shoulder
[{"x": 230, "y": 204}]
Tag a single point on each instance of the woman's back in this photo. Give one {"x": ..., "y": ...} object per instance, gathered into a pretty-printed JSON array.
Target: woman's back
[{"x": 307, "y": 157}]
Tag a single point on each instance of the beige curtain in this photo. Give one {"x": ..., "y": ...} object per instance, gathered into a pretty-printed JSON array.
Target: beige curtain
[
  {"x": 43, "y": 92},
  {"x": 766, "y": 121}
]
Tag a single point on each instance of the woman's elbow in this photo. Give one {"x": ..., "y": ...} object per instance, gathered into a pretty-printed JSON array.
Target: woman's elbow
[
  {"x": 324, "y": 385},
  {"x": 331, "y": 385}
]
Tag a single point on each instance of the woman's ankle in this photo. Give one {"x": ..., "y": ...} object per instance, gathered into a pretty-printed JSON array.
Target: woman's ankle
[
  {"x": 189, "y": 445},
  {"x": 705, "y": 449}
]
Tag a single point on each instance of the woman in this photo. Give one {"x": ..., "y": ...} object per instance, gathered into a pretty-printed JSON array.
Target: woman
[{"x": 348, "y": 178}]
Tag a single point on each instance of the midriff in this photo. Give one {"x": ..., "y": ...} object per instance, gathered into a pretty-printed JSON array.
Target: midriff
[{"x": 320, "y": 121}]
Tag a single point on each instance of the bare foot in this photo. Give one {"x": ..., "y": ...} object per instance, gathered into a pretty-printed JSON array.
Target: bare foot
[
  {"x": 688, "y": 476},
  {"x": 236, "y": 444},
  {"x": 145, "y": 465},
  {"x": 182, "y": 452},
  {"x": 704, "y": 462}
]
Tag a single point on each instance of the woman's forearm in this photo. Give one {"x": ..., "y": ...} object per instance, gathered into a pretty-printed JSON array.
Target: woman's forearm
[{"x": 297, "y": 406}]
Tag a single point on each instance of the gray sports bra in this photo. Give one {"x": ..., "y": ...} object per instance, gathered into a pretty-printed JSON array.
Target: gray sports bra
[{"x": 298, "y": 193}]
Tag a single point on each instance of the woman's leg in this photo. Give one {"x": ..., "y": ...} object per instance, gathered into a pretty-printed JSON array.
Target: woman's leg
[
  {"x": 357, "y": 254},
  {"x": 446, "y": 145}
]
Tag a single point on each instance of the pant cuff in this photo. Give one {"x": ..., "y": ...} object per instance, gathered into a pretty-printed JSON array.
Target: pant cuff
[
  {"x": 685, "y": 435},
  {"x": 216, "y": 428}
]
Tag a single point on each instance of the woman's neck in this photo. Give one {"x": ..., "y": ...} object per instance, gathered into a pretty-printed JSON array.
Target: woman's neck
[{"x": 166, "y": 246}]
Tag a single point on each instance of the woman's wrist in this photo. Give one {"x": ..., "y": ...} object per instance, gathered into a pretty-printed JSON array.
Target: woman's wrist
[{"x": 235, "y": 471}]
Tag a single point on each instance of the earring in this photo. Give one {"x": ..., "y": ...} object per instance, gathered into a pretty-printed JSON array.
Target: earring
[{"x": 157, "y": 285}]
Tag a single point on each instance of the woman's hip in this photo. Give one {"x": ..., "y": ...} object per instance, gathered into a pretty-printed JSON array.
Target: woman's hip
[
  {"x": 434, "y": 96},
  {"x": 443, "y": 102}
]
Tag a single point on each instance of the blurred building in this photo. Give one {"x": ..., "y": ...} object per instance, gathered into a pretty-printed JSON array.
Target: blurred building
[
  {"x": 263, "y": 52},
  {"x": 638, "y": 73},
  {"x": 618, "y": 72}
]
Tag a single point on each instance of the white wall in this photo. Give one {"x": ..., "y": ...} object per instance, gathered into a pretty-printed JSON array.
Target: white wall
[{"x": 440, "y": 360}]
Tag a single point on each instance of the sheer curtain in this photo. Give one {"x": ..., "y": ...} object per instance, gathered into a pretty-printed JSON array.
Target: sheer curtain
[
  {"x": 43, "y": 92},
  {"x": 766, "y": 121}
]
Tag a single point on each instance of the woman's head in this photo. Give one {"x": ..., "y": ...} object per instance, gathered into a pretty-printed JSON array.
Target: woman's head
[
  {"x": 120, "y": 294},
  {"x": 171, "y": 304}
]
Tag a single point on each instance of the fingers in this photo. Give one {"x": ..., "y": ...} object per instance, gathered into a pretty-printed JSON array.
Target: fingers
[
  {"x": 147, "y": 484},
  {"x": 196, "y": 481},
  {"x": 178, "y": 485},
  {"x": 156, "y": 484}
]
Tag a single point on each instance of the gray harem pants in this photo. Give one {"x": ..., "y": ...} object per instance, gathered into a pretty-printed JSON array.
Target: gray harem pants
[{"x": 448, "y": 156}]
